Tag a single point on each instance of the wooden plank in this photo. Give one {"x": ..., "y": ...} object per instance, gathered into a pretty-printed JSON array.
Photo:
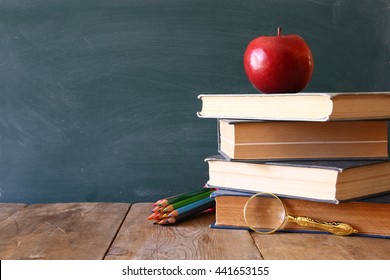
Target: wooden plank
[
  {"x": 188, "y": 240},
  {"x": 61, "y": 231},
  {"x": 9, "y": 209},
  {"x": 300, "y": 246}
]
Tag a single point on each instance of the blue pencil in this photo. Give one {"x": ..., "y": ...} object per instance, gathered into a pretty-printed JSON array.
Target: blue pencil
[
  {"x": 196, "y": 206},
  {"x": 191, "y": 213}
]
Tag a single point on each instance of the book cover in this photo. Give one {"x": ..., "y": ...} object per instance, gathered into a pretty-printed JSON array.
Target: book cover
[
  {"x": 367, "y": 217},
  {"x": 279, "y": 140},
  {"x": 297, "y": 106},
  {"x": 331, "y": 181}
]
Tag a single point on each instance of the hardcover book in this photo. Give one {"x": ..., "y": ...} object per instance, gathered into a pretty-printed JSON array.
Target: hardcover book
[
  {"x": 368, "y": 218},
  {"x": 297, "y": 106},
  {"x": 278, "y": 140},
  {"x": 331, "y": 181}
]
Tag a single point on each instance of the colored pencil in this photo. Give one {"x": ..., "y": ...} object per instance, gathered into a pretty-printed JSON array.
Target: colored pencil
[
  {"x": 199, "y": 205},
  {"x": 176, "y": 198},
  {"x": 182, "y": 213},
  {"x": 157, "y": 209},
  {"x": 186, "y": 201},
  {"x": 172, "y": 220},
  {"x": 189, "y": 202},
  {"x": 157, "y": 202},
  {"x": 152, "y": 217},
  {"x": 194, "y": 212},
  {"x": 165, "y": 215}
]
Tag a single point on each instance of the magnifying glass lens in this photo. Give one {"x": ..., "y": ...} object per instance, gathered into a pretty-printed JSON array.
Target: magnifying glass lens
[{"x": 264, "y": 213}]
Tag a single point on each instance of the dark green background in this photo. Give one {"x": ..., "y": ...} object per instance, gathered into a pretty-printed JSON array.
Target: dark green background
[{"x": 98, "y": 98}]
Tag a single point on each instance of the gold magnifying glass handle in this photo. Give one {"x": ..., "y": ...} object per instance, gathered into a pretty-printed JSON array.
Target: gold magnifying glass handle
[{"x": 337, "y": 228}]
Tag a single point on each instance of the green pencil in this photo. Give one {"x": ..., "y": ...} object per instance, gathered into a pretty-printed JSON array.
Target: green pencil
[
  {"x": 176, "y": 198},
  {"x": 188, "y": 211},
  {"x": 186, "y": 201}
]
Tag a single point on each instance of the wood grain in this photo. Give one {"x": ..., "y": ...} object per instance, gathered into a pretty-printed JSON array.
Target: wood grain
[
  {"x": 61, "y": 231},
  {"x": 112, "y": 231},
  {"x": 300, "y": 246},
  {"x": 9, "y": 209},
  {"x": 188, "y": 240}
]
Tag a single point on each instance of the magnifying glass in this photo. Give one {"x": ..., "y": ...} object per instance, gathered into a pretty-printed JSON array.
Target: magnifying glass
[{"x": 266, "y": 213}]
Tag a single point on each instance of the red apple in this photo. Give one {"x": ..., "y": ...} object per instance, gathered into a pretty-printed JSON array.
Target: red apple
[{"x": 278, "y": 64}]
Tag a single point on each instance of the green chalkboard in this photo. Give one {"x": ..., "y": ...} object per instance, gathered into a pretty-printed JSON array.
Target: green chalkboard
[{"x": 98, "y": 98}]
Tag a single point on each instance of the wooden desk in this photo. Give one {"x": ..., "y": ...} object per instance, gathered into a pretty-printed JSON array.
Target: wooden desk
[{"x": 121, "y": 231}]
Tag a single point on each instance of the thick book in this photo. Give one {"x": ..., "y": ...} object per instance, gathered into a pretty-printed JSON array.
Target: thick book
[
  {"x": 297, "y": 106},
  {"x": 368, "y": 218},
  {"x": 330, "y": 181},
  {"x": 279, "y": 140}
]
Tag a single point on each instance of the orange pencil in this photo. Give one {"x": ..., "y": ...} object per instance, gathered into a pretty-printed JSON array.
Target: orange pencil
[
  {"x": 152, "y": 217},
  {"x": 159, "y": 216}
]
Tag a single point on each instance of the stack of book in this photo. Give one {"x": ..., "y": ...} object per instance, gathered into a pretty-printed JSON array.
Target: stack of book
[{"x": 321, "y": 152}]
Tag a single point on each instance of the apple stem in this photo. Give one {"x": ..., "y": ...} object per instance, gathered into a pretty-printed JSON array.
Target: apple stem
[{"x": 279, "y": 31}]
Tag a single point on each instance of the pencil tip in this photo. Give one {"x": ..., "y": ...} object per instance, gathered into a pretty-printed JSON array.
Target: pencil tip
[
  {"x": 163, "y": 222},
  {"x": 163, "y": 203},
  {"x": 151, "y": 217},
  {"x": 156, "y": 203}
]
